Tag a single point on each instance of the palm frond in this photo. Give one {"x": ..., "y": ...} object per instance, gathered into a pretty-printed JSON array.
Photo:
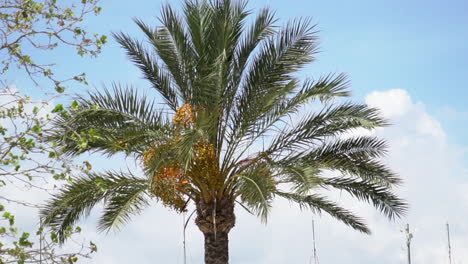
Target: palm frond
[
  {"x": 215, "y": 29},
  {"x": 332, "y": 121},
  {"x": 380, "y": 196},
  {"x": 110, "y": 122},
  {"x": 301, "y": 178},
  {"x": 324, "y": 89},
  {"x": 160, "y": 79},
  {"x": 256, "y": 187},
  {"x": 128, "y": 102},
  {"x": 172, "y": 46},
  {"x": 354, "y": 147},
  {"x": 76, "y": 200},
  {"x": 197, "y": 16},
  {"x": 261, "y": 29},
  {"x": 355, "y": 157},
  {"x": 366, "y": 169},
  {"x": 271, "y": 69},
  {"x": 125, "y": 201},
  {"x": 319, "y": 204},
  {"x": 270, "y": 79}
]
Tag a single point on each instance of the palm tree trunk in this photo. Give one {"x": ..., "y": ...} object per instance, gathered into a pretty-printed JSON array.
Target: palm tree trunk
[
  {"x": 216, "y": 248},
  {"x": 215, "y": 219}
]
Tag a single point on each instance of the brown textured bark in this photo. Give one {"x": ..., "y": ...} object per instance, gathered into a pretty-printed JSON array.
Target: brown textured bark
[
  {"x": 216, "y": 248},
  {"x": 215, "y": 219}
]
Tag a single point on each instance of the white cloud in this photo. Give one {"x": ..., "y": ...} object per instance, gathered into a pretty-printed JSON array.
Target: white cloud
[
  {"x": 428, "y": 125},
  {"x": 392, "y": 103}
]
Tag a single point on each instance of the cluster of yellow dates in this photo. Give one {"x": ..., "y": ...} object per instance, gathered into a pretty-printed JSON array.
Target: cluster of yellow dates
[
  {"x": 170, "y": 181},
  {"x": 184, "y": 117},
  {"x": 169, "y": 184}
]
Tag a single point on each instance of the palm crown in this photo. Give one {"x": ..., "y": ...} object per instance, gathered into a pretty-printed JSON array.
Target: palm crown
[{"x": 226, "y": 134}]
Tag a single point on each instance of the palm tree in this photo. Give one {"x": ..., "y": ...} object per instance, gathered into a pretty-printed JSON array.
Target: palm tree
[{"x": 236, "y": 128}]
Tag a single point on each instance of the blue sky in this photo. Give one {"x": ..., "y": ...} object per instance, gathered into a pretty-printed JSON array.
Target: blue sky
[{"x": 409, "y": 58}]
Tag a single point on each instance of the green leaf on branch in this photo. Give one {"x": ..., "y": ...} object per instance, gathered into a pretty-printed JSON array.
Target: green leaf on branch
[
  {"x": 74, "y": 105},
  {"x": 58, "y": 108}
]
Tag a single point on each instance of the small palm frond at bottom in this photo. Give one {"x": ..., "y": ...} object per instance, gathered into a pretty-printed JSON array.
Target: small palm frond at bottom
[
  {"x": 122, "y": 193},
  {"x": 380, "y": 196},
  {"x": 318, "y": 204}
]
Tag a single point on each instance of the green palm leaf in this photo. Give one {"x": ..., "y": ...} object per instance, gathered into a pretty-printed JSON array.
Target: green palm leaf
[
  {"x": 256, "y": 187},
  {"x": 380, "y": 196},
  {"x": 319, "y": 204},
  {"x": 114, "y": 121},
  {"x": 159, "y": 77},
  {"x": 77, "y": 199}
]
